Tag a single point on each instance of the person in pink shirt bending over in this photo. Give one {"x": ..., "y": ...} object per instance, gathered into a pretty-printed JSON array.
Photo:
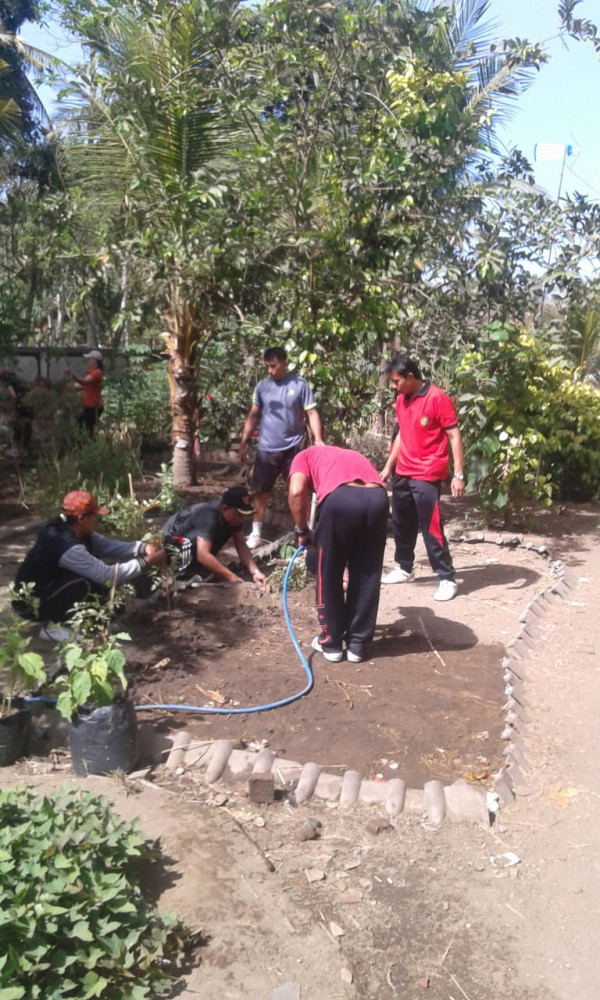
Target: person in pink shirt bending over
[{"x": 352, "y": 514}]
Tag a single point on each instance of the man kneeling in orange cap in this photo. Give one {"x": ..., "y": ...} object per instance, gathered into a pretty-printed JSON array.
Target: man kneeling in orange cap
[{"x": 66, "y": 563}]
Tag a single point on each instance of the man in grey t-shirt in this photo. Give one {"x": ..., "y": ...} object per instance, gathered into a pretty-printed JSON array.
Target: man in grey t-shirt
[{"x": 280, "y": 403}]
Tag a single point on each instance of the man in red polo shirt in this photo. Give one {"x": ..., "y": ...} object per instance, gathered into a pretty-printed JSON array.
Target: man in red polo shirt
[{"x": 419, "y": 459}]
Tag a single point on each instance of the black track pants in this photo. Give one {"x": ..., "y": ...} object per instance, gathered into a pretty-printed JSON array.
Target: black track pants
[
  {"x": 416, "y": 504},
  {"x": 351, "y": 531}
]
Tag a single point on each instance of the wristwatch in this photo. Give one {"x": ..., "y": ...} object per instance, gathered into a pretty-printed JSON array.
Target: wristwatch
[
  {"x": 301, "y": 531},
  {"x": 458, "y": 475}
]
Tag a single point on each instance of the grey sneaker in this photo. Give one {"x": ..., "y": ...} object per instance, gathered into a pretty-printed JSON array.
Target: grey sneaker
[
  {"x": 55, "y": 634},
  {"x": 398, "y": 575},
  {"x": 333, "y": 655},
  {"x": 446, "y": 590}
]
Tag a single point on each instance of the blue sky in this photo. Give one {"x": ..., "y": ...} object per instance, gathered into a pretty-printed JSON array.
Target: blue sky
[{"x": 561, "y": 106}]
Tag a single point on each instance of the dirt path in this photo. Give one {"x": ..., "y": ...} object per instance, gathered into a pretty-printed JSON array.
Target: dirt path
[{"x": 424, "y": 912}]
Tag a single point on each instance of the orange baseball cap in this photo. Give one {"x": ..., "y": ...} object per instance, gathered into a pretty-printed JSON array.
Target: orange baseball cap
[{"x": 80, "y": 502}]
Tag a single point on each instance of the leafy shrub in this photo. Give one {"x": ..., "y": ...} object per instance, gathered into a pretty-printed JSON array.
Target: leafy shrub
[
  {"x": 138, "y": 401},
  {"x": 94, "y": 670},
  {"x": 99, "y": 464},
  {"x": 531, "y": 432},
  {"x": 20, "y": 669},
  {"x": 74, "y": 922}
]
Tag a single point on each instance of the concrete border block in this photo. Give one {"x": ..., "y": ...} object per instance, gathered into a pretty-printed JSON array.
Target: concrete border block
[
  {"x": 307, "y": 781},
  {"x": 396, "y": 793},
  {"x": 413, "y": 800},
  {"x": 504, "y": 787},
  {"x": 264, "y": 761},
  {"x": 240, "y": 763},
  {"x": 286, "y": 771},
  {"x": 350, "y": 789},
  {"x": 177, "y": 755},
  {"x": 328, "y": 787},
  {"x": 372, "y": 793},
  {"x": 466, "y": 803},
  {"x": 434, "y": 801},
  {"x": 218, "y": 760}
]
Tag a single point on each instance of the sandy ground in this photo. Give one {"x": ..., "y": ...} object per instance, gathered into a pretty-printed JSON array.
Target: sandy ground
[{"x": 422, "y": 911}]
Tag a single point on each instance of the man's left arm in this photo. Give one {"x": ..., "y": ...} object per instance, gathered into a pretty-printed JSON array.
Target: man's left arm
[
  {"x": 314, "y": 422},
  {"x": 247, "y": 559},
  {"x": 457, "y": 485}
]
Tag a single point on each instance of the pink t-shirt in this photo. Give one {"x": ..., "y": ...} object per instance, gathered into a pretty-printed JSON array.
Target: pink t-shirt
[{"x": 328, "y": 467}]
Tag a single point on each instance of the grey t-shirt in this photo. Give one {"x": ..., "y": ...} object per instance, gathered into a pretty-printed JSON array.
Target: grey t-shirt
[{"x": 282, "y": 405}]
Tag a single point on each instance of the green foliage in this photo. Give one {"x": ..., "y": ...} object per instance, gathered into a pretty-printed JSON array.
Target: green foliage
[
  {"x": 93, "y": 660},
  {"x": 127, "y": 516},
  {"x": 98, "y": 464},
  {"x": 138, "y": 401},
  {"x": 20, "y": 669},
  {"x": 532, "y": 433},
  {"x": 298, "y": 577},
  {"x": 74, "y": 919},
  {"x": 167, "y": 498}
]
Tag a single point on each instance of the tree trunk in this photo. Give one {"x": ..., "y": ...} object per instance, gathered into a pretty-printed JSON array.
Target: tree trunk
[{"x": 182, "y": 383}]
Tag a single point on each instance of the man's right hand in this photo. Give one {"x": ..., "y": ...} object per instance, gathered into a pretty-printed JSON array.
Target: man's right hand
[
  {"x": 242, "y": 453},
  {"x": 154, "y": 557}
]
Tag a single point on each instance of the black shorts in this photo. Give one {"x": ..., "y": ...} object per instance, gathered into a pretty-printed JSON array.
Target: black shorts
[{"x": 268, "y": 465}]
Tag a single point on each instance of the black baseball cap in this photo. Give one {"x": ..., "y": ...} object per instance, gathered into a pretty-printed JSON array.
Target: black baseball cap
[{"x": 238, "y": 498}]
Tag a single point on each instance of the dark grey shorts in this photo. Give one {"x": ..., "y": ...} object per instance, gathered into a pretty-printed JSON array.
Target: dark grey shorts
[{"x": 268, "y": 465}]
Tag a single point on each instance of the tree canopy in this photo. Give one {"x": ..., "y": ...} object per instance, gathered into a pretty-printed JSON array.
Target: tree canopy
[{"x": 321, "y": 173}]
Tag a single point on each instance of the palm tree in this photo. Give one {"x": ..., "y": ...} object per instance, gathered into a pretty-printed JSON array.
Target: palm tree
[
  {"x": 496, "y": 77},
  {"x": 143, "y": 131},
  {"x": 21, "y": 110}
]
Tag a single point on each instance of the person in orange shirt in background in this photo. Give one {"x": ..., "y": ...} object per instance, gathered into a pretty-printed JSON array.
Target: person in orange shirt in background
[{"x": 90, "y": 386}]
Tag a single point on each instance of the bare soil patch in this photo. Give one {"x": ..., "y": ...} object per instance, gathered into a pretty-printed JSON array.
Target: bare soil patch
[{"x": 425, "y": 715}]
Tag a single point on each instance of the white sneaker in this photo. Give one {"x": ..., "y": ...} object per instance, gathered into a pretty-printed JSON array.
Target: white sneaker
[
  {"x": 398, "y": 575},
  {"x": 253, "y": 540},
  {"x": 446, "y": 590},
  {"x": 353, "y": 657},
  {"x": 55, "y": 634},
  {"x": 333, "y": 655}
]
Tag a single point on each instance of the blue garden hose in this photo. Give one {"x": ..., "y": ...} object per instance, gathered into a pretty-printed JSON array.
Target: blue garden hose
[{"x": 256, "y": 708}]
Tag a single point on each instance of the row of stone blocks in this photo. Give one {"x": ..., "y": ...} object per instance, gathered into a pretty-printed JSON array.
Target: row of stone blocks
[
  {"x": 460, "y": 801},
  {"x": 511, "y": 779}
]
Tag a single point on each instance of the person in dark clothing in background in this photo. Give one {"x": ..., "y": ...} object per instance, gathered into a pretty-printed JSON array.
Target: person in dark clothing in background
[
  {"x": 21, "y": 414},
  {"x": 352, "y": 509}
]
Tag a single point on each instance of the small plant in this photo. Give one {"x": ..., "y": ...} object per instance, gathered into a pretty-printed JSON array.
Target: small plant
[
  {"x": 20, "y": 669},
  {"x": 297, "y": 579},
  {"x": 75, "y": 922},
  {"x": 93, "y": 660},
  {"x": 166, "y": 498}
]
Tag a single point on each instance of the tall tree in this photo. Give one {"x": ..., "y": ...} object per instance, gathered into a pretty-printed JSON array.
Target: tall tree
[{"x": 23, "y": 112}]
